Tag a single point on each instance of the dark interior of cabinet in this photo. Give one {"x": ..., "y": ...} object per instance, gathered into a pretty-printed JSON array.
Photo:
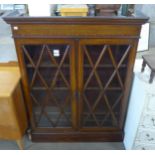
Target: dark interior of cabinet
[
  {"x": 49, "y": 84},
  {"x": 103, "y": 84},
  {"x": 49, "y": 78}
]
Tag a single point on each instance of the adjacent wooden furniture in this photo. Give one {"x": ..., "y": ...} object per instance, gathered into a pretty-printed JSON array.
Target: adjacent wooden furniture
[
  {"x": 76, "y": 74},
  {"x": 107, "y": 9},
  {"x": 73, "y": 10},
  {"x": 13, "y": 121},
  {"x": 150, "y": 61}
]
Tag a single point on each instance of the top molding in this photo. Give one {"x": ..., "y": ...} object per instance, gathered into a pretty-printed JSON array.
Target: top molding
[{"x": 116, "y": 20}]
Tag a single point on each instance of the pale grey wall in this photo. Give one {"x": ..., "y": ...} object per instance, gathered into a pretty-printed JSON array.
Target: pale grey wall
[
  {"x": 148, "y": 10},
  {"x": 7, "y": 48}
]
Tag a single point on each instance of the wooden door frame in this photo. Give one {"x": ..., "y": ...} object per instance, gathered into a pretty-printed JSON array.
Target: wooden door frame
[
  {"x": 127, "y": 83},
  {"x": 26, "y": 41}
]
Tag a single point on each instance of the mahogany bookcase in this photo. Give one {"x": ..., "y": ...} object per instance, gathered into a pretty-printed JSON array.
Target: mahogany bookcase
[{"x": 76, "y": 74}]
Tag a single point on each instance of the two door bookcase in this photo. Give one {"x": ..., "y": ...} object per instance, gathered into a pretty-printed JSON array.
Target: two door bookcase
[{"x": 76, "y": 74}]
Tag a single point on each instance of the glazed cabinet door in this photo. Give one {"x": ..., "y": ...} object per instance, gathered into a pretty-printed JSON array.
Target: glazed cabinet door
[
  {"x": 49, "y": 83},
  {"x": 102, "y": 70}
]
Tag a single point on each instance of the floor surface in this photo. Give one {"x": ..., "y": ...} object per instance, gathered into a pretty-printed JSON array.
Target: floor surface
[{"x": 11, "y": 145}]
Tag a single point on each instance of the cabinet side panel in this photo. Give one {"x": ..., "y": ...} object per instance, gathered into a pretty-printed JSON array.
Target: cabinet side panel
[
  {"x": 24, "y": 82},
  {"x": 20, "y": 109},
  {"x": 128, "y": 84}
]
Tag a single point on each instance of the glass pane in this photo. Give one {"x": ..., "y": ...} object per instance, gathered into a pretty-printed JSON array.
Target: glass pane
[
  {"x": 48, "y": 70},
  {"x": 104, "y": 76}
]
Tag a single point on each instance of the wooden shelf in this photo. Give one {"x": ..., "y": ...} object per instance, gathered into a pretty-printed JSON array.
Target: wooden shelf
[
  {"x": 46, "y": 65},
  {"x": 65, "y": 88},
  {"x": 44, "y": 89}
]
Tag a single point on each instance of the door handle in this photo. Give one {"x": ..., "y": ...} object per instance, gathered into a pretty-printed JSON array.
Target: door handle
[{"x": 77, "y": 95}]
